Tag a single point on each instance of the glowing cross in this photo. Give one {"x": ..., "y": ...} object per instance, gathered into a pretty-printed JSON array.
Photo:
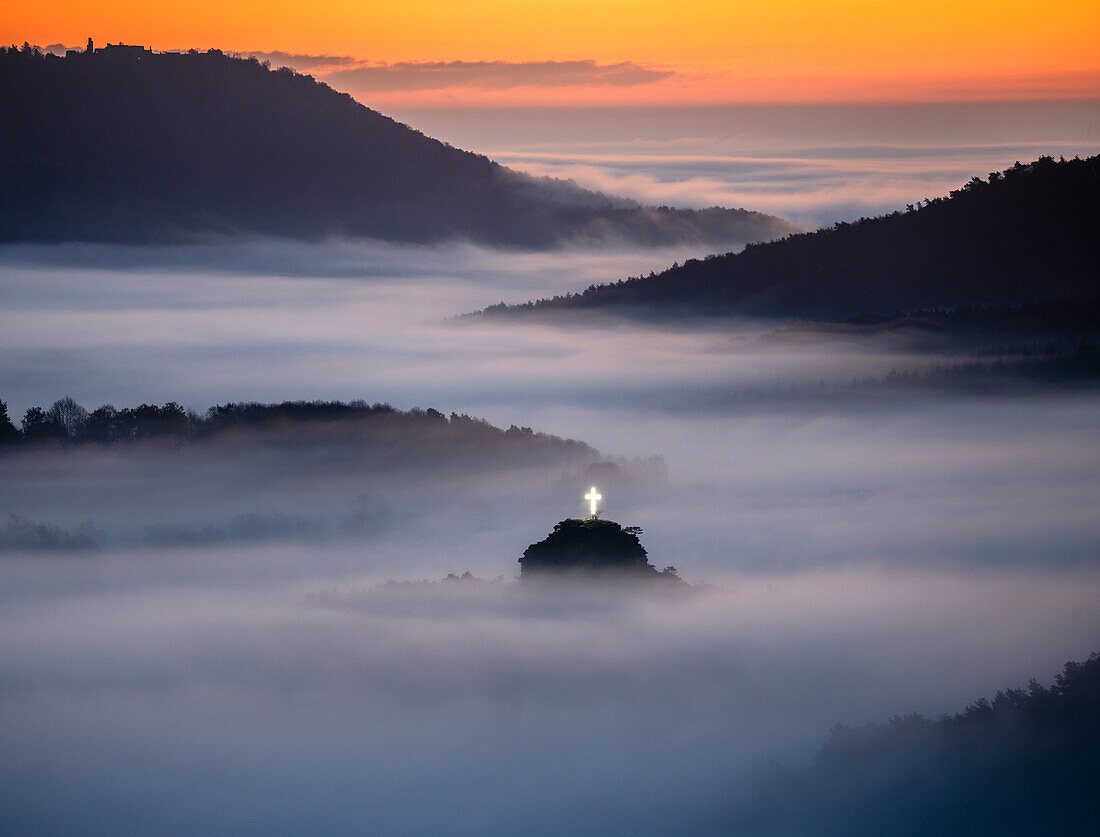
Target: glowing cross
[{"x": 592, "y": 497}]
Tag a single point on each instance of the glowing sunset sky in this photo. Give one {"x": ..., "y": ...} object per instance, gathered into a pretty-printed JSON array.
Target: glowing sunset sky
[{"x": 619, "y": 51}]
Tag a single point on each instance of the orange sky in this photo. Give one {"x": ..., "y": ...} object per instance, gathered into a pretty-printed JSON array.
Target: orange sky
[{"x": 697, "y": 50}]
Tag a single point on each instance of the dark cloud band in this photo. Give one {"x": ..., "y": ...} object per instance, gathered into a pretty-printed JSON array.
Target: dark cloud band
[
  {"x": 298, "y": 61},
  {"x": 495, "y": 75}
]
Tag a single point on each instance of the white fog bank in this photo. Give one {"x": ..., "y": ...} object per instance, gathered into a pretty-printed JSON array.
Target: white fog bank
[
  {"x": 487, "y": 709},
  {"x": 225, "y": 657}
]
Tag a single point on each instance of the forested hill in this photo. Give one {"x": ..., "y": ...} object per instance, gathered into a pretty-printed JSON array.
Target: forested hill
[
  {"x": 1029, "y": 233},
  {"x": 166, "y": 147},
  {"x": 359, "y": 429},
  {"x": 1025, "y": 762}
]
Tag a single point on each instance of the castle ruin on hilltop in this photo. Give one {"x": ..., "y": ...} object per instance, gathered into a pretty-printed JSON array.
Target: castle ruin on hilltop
[{"x": 119, "y": 50}]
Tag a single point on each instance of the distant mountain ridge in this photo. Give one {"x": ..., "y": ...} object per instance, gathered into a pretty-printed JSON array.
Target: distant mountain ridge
[
  {"x": 143, "y": 147},
  {"x": 1028, "y": 233}
]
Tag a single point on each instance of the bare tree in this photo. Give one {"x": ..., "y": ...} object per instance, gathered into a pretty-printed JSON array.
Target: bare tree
[{"x": 70, "y": 415}]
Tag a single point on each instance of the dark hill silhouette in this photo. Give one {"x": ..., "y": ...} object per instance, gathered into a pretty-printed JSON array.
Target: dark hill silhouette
[
  {"x": 166, "y": 147},
  {"x": 357, "y": 430},
  {"x": 1025, "y": 762},
  {"x": 1026, "y": 234},
  {"x": 590, "y": 545}
]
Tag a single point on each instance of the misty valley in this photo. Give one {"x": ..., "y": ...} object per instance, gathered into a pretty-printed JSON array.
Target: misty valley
[
  {"x": 351, "y": 482},
  {"x": 843, "y": 544}
]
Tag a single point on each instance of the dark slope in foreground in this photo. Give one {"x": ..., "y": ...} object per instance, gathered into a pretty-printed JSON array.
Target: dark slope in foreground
[
  {"x": 1027, "y": 762},
  {"x": 1027, "y": 234},
  {"x": 179, "y": 147}
]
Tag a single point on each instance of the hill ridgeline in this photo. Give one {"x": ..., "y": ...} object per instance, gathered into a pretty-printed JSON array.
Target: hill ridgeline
[
  {"x": 1026, "y": 234},
  {"x": 130, "y": 146}
]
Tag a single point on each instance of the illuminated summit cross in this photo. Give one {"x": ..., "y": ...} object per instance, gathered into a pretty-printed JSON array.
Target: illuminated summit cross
[{"x": 592, "y": 497}]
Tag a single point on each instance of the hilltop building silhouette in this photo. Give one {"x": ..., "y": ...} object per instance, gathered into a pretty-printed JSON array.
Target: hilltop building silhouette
[{"x": 119, "y": 50}]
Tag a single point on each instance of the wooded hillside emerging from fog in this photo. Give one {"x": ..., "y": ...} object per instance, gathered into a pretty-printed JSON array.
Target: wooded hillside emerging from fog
[
  {"x": 1025, "y": 234},
  {"x": 170, "y": 147}
]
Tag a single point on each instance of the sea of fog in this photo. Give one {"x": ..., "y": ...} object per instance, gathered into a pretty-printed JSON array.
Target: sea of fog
[
  {"x": 862, "y": 558},
  {"x": 811, "y": 164}
]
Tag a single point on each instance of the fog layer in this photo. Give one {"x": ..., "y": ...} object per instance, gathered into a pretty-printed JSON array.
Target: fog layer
[
  {"x": 277, "y": 709},
  {"x": 810, "y": 164},
  {"x": 223, "y": 659}
]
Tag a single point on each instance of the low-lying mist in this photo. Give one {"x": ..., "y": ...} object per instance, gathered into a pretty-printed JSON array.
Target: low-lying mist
[
  {"x": 477, "y": 707},
  {"x": 773, "y": 458},
  {"x": 200, "y": 637},
  {"x": 811, "y": 164},
  {"x": 273, "y": 321}
]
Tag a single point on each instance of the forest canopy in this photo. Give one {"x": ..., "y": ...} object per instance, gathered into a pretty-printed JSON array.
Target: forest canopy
[
  {"x": 1025, "y": 234},
  {"x": 1025, "y": 762},
  {"x": 66, "y": 423}
]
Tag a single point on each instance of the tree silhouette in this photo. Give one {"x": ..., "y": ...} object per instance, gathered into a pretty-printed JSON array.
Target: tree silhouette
[
  {"x": 9, "y": 435},
  {"x": 69, "y": 415},
  {"x": 588, "y": 545},
  {"x": 38, "y": 427},
  {"x": 378, "y": 429},
  {"x": 1023, "y": 762},
  {"x": 102, "y": 425}
]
